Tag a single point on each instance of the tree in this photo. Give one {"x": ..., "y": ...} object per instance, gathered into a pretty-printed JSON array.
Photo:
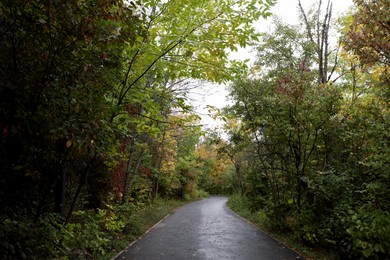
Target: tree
[
  {"x": 191, "y": 39},
  {"x": 285, "y": 108},
  {"x": 216, "y": 167},
  {"x": 174, "y": 52},
  {"x": 320, "y": 141},
  {"x": 59, "y": 61},
  {"x": 367, "y": 33},
  {"x": 100, "y": 95},
  {"x": 365, "y": 117},
  {"x": 318, "y": 32},
  {"x": 52, "y": 115}
]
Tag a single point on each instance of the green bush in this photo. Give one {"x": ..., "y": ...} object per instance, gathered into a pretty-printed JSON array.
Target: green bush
[
  {"x": 370, "y": 232},
  {"x": 240, "y": 204},
  {"x": 92, "y": 234},
  {"x": 201, "y": 194},
  {"x": 14, "y": 235}
]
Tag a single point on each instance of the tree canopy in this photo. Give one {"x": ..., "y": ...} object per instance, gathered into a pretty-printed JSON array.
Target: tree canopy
[
  {"x": 95, "y": 122},
  {"x": 93, "y": 110}
]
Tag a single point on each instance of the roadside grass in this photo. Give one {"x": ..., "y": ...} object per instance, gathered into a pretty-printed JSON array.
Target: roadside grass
[
  {"x": 240, "y": 206},
  {"x": 150, "y": 215}
]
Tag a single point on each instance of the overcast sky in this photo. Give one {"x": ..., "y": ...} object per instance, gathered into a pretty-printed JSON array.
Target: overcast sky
[{"x": 287, "y": 10}]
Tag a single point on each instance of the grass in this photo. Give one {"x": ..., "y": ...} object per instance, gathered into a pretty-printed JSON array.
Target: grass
[
  {"x": 239, "y": 205},
  {"x": 150, "y": 215}
]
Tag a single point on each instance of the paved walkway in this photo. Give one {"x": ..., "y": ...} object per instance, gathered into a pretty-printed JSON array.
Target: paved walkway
[{"x": 206, "y": 229}]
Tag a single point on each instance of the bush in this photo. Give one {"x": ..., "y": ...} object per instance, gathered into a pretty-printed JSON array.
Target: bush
[
  {"x": 201, "y": 194},
  {"x": 92, "y": 234},
  {"x": 370, "y": 232},
  {"x": 48, "y": 238},
  {"x": 240, "y": 204},
  {"x": 14, "y": 235}
]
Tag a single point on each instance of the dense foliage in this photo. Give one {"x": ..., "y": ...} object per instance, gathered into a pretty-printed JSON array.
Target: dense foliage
[
  {"x": 314, "y": 121},
  {"x": 93, "y": 113},
  {"x": 95, "y": 124}
]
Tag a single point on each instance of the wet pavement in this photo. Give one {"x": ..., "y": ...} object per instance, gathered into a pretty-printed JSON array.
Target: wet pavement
[{"x": 206, "y": 229}]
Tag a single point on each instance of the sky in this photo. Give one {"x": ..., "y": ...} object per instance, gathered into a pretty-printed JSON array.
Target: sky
[{"x": 216, "y": 95}]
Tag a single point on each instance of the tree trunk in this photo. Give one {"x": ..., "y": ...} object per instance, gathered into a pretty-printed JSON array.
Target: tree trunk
[
  {"x": 299, "y": 193},
  {"x": 131, "y": 177},
  {"x": 322, "y": 34},
  {"x": 128, "y": 173}
]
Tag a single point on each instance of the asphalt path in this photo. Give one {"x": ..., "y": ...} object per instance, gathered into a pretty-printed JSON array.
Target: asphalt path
[{"x": 206, "y": 229}]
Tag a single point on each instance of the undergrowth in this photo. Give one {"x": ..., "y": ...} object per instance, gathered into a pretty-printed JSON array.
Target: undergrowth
[
  {"x": 241, "y": 205},
  {"x": 92, "y": 234}
]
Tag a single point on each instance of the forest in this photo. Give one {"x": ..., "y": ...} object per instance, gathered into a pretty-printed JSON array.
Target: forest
[{"x": 96, "y": 126}]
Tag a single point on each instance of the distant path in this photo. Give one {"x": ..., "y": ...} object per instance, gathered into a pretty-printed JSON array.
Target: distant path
[{"x": 206, "y": 229}]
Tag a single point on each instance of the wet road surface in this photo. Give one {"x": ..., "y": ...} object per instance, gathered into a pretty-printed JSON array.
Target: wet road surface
[{"x": 206, "y": 229}]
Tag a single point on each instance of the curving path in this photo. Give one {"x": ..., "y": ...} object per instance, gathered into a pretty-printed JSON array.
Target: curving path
[{"x": 206, "y": 229}]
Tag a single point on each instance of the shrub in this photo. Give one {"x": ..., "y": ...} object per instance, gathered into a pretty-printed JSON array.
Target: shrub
[
  {"x": 240, "y": 204},
  {"x": 370, "y": 234}
]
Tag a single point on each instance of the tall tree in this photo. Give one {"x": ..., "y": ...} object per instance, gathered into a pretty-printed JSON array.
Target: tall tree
[
  {"x": 183, "y": 40},
  {"x": 52, "y": 113},
  {"x": 322, "y": 141}
]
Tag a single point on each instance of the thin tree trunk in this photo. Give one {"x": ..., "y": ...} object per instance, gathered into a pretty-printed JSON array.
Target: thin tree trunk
[
  {"x": 322, "y": 34},
  {"x": 158, "y": 177},
  {"x": 128, "y": 173},
  {"x": 132, "y": 175},
  {"x": 159, "y": 163},
  {"x": 299, "y": 193}
]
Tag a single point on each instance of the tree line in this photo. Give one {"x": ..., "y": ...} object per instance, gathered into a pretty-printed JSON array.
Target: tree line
[{"x": 309, "y": 130}]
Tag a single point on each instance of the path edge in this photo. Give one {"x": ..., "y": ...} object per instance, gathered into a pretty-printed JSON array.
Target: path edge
[
  {"x": 265, "y": 232},
  {"x": 140, "y": 237},
  {"x": 150, "y": 229}
]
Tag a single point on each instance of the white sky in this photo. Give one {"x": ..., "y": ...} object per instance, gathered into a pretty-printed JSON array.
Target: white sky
[{"x": 216, "y": 95}]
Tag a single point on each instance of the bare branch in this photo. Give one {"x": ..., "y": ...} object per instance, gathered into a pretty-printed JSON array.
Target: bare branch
[
  {"x": 306, "y": 21},
  {"x": 336, "y": 61}
]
